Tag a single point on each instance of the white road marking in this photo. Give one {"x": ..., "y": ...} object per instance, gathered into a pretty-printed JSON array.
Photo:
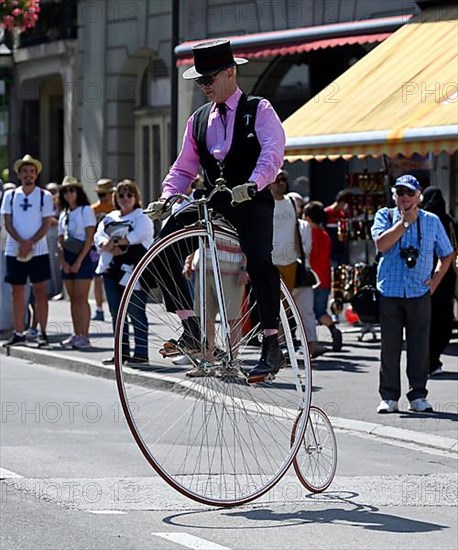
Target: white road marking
[
  {"x": 8, "y": 474},
  {"x": 112, "y": 512},
  {"x": 190, "y": 541}
]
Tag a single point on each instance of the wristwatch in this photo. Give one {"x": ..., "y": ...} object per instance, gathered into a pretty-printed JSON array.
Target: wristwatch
[{"x": 405, "y": 224}]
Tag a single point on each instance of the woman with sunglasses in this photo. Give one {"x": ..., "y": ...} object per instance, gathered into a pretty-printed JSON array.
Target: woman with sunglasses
[
  {"x": 123, "y": 237},
  {"x": 75, "y": 236}
]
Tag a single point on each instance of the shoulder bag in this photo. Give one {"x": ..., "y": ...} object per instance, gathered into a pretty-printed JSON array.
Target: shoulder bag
[
  {"x": 305, "y": 276},
  {"x": 69, "y": 243}
]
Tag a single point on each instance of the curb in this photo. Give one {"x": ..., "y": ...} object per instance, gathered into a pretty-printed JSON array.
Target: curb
[{"x": 95, "y": 368}]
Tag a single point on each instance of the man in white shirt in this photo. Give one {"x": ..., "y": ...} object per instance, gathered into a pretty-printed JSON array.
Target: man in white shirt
[{"x": 28, "y": 212}]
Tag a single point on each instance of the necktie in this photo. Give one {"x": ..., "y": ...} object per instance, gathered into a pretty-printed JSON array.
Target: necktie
[{"x": 222, "y": 109}]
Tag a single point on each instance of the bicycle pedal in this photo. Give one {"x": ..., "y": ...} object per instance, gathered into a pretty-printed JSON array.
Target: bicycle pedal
[{"x": 261, "y": 378}]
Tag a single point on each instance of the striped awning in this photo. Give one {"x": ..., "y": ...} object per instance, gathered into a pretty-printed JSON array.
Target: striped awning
[
  {"x": 303, "y": 39},
  {"x": 401, "y": 98}
]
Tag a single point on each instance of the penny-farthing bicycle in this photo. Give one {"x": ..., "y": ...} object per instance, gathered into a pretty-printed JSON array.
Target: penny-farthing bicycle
[{"x": 213, "y": 437}]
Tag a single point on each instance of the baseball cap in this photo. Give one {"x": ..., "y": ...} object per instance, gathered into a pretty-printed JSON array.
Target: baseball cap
[{"x": 408, "y": 181}]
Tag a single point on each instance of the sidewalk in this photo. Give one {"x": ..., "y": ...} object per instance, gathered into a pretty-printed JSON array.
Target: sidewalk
[{"x": 344, "y": 384}]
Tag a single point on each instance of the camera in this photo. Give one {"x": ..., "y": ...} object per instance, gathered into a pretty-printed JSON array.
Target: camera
[{"x": 410, "y": 255}]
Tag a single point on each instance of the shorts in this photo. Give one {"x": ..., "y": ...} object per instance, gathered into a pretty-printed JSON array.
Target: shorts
[
  {"x": 233, "y": 295},
  {"x": 320, "y": 301},
  {"x": 36, "y": 269},
  {"x": 86, "y": 270}
]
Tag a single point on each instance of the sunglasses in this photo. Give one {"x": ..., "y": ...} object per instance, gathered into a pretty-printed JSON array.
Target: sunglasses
[
  {"x": 207, "y": 80},
  {"x": 281, "y": 179},
  {"x": 402, "y": 192},
  {"x": 69, "y": 190},
  {"x": 128, "y": 195},
  {"x": 101, "y": 194}
]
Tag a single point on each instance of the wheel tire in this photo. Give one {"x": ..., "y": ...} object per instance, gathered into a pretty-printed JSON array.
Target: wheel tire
[
  {"x": 216, "y": 439},
  {"x": 316, "y": 460}
]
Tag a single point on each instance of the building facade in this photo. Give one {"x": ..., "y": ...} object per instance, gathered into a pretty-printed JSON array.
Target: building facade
[{"x": 98, "y": 99}]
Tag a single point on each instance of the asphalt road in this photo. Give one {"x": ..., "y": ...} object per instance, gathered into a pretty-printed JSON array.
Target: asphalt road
[{"x": 73, "y": 478}]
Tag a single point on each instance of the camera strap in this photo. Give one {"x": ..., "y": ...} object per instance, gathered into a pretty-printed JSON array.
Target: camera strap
[{"x": 418, "y": 232}]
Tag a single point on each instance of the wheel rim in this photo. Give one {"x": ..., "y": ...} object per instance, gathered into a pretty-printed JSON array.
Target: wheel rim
[
  {"x": 215, "y": 439},
  {"x": 316, "y": 460}
]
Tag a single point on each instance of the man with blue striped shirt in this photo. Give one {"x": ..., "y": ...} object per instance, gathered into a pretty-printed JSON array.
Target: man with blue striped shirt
[{"x": 407, "y": 238}]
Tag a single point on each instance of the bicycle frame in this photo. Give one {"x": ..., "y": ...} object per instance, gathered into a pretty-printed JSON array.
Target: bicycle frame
[{"x": 204, "y": 219}]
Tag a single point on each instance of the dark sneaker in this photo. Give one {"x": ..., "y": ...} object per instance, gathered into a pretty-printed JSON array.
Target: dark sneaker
[
  {"x": 111, "y": 360},
  {"x": 14, "y": 339},
  {"x": 42, "y": 340},
  {"x": 98, "y": 316},
  {"x": 336, "y": 339},
  {"x": 271, "y": 361},
  {"x": 189, "y": 341},
  {"x": 137, "y": 361}
]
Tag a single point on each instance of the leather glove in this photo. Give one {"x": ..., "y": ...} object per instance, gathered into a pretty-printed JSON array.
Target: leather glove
[
  {"x": 157, "y": 211},
  {"x": 244, "y": 192}
]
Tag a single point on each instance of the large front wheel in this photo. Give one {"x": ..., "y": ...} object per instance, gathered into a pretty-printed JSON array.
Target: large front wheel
[{"x": 204, "y": 429}]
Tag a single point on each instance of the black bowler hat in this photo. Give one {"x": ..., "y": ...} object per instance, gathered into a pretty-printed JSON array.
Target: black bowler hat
[{"x": 211, "y": 57}]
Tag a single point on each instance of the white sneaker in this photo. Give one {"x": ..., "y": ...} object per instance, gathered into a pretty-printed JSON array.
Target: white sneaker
[
  {"x": 81, "y": 342},
  {"x": 437, "y": 372},
  {"x": 182, "y": 360},
  {"x": 387, "y": 406},
  {"x": 421, "y": 405},
  {"x": 68, "y": 342},
  {"x": 31, "y": 333}
]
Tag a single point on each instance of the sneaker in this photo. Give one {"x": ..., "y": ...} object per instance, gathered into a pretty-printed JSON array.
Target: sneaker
[
  {"x": 57, "y": 297},
  {"x": 421, "y": 405},
  {"x": 98, "y": 316},
  {"x": 14, "y": 339},
  {"x": 81, "y": 342},
  {"x": 336, "y": 339},
  {"x": 437, "y": 372},
  {"x": 111, "y": 360},
  {"x": 68, "y": 342},
  {"x": 137, "y": 360},
  {"x": 31, "y": 333},
  {"x": 316, "y": 349},
  {"x": 182, "y": 360},
  {"x": 200, "y": 372},
  {"x": 42, "y": 340},
  {"x": 387, "y": 406}
]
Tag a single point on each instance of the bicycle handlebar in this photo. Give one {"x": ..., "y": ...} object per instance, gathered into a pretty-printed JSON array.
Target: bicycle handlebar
[{"x": 220, "y": 186}]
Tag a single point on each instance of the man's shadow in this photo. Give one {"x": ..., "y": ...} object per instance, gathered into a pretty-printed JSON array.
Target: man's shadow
[{"x": 361, "y": 515}]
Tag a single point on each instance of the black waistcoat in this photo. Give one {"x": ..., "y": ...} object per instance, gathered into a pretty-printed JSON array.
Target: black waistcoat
[{"x": 243, "y": 155}]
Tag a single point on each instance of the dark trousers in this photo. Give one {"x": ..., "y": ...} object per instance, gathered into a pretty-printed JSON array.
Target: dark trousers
[
  {"x": 414, "y": 315},
  {"x": 441, "y": 318},
  {"x": 136, "y": 313},
  {"x": 253, "y": 222}
]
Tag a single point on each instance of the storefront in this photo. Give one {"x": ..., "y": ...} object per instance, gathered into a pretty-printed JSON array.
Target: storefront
[{"x": 399, "y": 104}]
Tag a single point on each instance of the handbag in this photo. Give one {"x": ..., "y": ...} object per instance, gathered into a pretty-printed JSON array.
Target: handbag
[
  {"x": 305, "y": 276},
  {"x": 365, "y": 304},
  {"x": 72, "y": 244},
  {"x": 69, "y": 243}
]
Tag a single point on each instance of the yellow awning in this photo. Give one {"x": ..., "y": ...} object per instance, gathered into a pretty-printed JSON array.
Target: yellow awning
[{"x": 402, "y": 97}]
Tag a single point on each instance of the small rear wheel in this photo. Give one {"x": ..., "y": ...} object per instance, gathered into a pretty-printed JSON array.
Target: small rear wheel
[{"x": 316, "y": 460}]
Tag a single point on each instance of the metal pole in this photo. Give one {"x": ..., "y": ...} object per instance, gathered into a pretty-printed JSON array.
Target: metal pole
[{"x": 174, "y": 76}]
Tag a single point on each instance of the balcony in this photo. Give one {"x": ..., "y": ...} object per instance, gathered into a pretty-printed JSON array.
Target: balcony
[{"x": 57, "y": 21}]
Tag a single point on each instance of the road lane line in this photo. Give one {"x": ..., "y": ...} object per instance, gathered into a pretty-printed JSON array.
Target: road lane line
[
  {"x": 190, "y": 541},
  {"x": 8, "y": 474},
  {"x": 112, "y": 512}
]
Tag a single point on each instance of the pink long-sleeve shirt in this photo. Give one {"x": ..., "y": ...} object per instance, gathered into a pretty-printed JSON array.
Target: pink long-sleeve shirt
[{"x": 269, "y": 131}]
